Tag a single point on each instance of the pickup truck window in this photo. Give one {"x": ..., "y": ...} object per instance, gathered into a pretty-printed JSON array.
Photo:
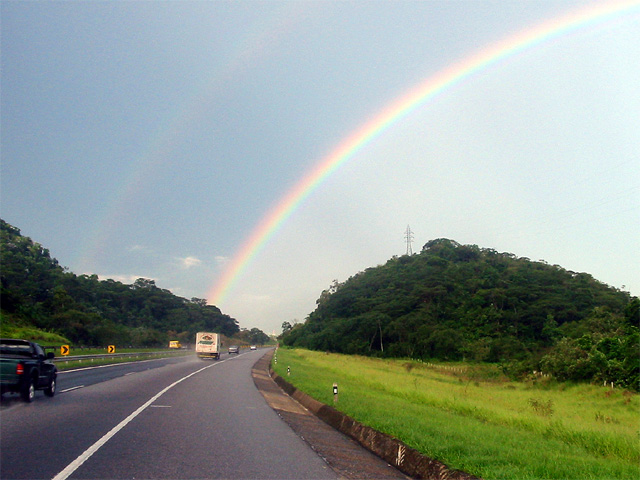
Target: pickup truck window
[{"x": 15, "y": 349}]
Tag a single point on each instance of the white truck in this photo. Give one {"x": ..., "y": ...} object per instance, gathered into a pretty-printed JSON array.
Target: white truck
[{"x": 208, "y": 345}]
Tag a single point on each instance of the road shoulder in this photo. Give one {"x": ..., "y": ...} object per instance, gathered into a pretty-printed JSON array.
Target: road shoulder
[{"x": 344, "y": 455}]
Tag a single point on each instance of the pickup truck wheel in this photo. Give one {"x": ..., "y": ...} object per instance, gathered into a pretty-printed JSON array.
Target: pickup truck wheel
[
  {"x": 28, "y": 391},
  {"x": 50, "y": 391}
]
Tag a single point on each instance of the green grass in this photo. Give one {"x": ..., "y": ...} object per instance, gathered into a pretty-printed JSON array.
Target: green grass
[
  {"x": 11, "y": 328},
  {"x": 471, "y": 418}
]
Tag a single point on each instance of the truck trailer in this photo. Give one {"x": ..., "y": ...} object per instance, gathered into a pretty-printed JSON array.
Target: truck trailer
[{"x": 208, "y": 345}]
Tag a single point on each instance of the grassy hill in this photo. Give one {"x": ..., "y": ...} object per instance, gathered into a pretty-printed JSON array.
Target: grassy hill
[
  {"x": 40, "y": 299},
  {"x": 462, "y": 302},
  {"x": 11, "y": 327}
]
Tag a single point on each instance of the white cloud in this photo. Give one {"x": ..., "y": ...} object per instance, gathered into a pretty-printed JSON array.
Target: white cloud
[
  {"x": 189, "y": 262},
  {"x": 126, "y": 279},
  {"x": 221, "y": 260}
]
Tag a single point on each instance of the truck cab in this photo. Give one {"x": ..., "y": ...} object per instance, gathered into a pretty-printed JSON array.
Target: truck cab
[{"x": 25, "y": 368}]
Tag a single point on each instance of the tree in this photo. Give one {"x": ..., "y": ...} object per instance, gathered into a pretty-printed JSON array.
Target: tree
[
  {"x": 36, "y": 291},
  {"x": 258, "y": 337},
  {"x": 632, "y": 312},
  {"x": 201, "y": 302},
  {"x": 286, "y": 327}
]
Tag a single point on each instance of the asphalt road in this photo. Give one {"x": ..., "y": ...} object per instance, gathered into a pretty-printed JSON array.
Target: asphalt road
[{"x": 178, "y": 418}]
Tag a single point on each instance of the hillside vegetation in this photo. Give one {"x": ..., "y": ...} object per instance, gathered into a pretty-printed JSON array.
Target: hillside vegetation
[
  {"x": 41, "y": 300},
  {"x": 462, "y": 302}
]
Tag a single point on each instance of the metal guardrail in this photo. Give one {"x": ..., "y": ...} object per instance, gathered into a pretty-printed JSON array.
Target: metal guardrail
[{"x": 106, "y": 356}]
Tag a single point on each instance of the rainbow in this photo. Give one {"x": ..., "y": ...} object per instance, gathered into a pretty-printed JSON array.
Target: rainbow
[
  {"x": 396, "y": 111},
  {"x": 255, "y": 45}
]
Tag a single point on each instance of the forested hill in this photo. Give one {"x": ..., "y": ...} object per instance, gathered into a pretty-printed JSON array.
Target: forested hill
[
  {"x": 36, "y": 291},
  {"x": 457, "y": 302}
]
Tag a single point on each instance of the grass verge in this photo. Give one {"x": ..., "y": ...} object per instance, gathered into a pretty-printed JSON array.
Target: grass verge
[{"x": 472, "y": 419}]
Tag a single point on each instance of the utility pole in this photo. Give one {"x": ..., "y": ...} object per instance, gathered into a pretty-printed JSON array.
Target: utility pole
[{"x": 408, "y": 235}]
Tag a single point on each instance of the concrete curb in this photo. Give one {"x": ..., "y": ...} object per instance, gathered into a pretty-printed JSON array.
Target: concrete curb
[{"x": 393, "y": 451}]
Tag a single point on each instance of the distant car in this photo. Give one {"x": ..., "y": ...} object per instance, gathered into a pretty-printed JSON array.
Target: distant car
[
  {"x": 234, "y": 349},
  {"x": 253, "y": 347}
]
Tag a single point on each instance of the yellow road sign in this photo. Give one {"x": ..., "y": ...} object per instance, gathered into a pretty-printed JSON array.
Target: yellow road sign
[
  {"x": 111, "y": 349},
  {"x": 64, "y": 350}
]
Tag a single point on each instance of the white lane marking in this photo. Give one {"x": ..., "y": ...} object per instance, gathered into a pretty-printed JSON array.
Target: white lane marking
[
  {"x": 73, "y": 466},
  {"x": 159, "y": 406},
  {"x": 130, "y": 373},
  {"x": 72, "y": 388}
]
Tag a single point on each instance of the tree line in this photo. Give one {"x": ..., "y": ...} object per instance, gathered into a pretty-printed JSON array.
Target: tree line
[
  {"x": 461, "y": 302},
  {"x": 36, "y": 291}
]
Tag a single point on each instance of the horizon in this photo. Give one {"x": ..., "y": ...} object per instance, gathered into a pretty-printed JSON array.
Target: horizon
[{"x": 162, "y": 140}]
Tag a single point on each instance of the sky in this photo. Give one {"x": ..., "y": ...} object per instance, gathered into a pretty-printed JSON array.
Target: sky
[{"x": 177, "y": 140}]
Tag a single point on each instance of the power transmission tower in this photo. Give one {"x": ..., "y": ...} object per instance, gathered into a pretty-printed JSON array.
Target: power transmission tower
[{"x": 408, "y": 235}]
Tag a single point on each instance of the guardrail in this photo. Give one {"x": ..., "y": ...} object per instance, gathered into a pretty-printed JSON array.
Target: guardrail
[{"x": 106, "y": 356}]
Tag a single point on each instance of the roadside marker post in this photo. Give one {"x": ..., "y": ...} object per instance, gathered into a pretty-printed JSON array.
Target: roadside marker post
[
  {"x": 335, "y": 393},
  {"x": 288, "y": 371}
]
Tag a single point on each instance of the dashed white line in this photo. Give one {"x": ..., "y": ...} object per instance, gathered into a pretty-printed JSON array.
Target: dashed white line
[
  {"x": 73, "y": 466},
  {"x": 72, "y": 388}
]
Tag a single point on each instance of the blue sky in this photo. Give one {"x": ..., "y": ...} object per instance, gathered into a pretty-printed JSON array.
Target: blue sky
[{"x": 148, "y": 139}]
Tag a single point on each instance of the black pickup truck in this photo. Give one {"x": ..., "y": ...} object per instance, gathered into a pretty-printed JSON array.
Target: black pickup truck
[{"x": 25, "y": 368}]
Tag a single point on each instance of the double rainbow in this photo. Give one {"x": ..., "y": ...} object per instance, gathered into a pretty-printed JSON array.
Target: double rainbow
[{"x": 396, "y": 111}]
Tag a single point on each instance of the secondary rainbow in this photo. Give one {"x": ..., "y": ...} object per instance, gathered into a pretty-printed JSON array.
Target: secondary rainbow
[{"x": 415, "y": 98}]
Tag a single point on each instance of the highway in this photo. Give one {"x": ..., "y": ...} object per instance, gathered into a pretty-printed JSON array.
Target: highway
[{"x": 176, "y": 418}]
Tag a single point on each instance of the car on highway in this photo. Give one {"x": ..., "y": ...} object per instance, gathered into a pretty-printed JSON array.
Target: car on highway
[
  {"x": 234, "y": 349},
  {"x": 253, "y": 347}
]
